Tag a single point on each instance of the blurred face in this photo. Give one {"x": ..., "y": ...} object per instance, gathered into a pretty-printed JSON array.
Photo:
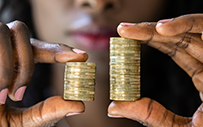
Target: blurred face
[{"x": 88, "y": 24}]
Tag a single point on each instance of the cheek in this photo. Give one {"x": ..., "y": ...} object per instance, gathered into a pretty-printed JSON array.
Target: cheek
[
  {"x": 50, "y": 19},
  {"x": 142, "y": 10}
]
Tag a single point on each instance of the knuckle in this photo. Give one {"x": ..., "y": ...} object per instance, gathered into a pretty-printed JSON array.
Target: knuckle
[
  {"x": 185, "y": 41},
  {"x": 149, "y": 112},
  {"x": 20, "y": 26},
  {"x": 4, "y": 28},
  {"x": 197, "y": 79},
  {"x": 172, "y": 52}
]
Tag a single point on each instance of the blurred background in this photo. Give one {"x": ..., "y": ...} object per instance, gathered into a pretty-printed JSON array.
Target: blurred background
[{"x": 88, "y": 25}]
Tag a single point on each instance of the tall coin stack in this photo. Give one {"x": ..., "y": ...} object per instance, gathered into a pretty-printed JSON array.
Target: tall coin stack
[
  {"x": 124, "y": 69},
  {"x": 79, "y": 81}
]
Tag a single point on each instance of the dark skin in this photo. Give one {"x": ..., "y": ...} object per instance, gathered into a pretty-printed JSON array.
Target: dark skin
[
  {"x": 181, "y": 38},
  {"x": 18, "y": 54},
  {"x": 183, "y": 45}
]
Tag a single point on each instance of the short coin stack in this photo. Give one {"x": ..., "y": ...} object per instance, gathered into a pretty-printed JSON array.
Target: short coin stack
[
  {"x": 124, "y": 69},
  {"x": 79, "y": 81}
]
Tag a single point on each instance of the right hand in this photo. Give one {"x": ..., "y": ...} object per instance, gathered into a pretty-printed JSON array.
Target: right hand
[
  {"x": 18, "y": 53},
  {"x": 182, "y": 39}
]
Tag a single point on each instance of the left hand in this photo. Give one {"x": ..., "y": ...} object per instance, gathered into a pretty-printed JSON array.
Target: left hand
[{"x": 181, "y": 38}]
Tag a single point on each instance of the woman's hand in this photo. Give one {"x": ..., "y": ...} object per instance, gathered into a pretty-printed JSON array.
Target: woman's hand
[
  {"x": 181, "y": 38},
  {"x": 18, "y": 53}
]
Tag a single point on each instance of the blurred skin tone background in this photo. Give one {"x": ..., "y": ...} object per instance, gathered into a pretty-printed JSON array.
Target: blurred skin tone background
[{"x": 88, "y": 25}]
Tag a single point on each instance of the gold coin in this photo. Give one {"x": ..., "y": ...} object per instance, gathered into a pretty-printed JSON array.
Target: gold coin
[
  {"x": 128, "y": 92},
  {"x": 132, "y": 98},
  {"x": 121, "y": 48},
  {"x": 125, "y": 96},
  {"x": 118, "y": 85},
  {"x": 124, "y": 92},
  {"x": 80, "y": 80},
  {"x": 79, "y": 70},
  {"x": 125, "y": 76},
  {"x": 126, "y": 86},
  {"x": 135, "y": 53},
  {"x": 125, "y": 45},
  {"x": 82, "y": 67},
  {"x": 125, "y": 71},
  {"x": 124, "y": 67},
  {"x": 80, "y": 63},
  {"x": 80, "y": 99},
  {"x": 78, "y": 95},
  {"x": 78, "y": 92},
  {"x": 116, "y": 61},
  {"x": 80, "y": 76},
  {"x": 136, "y": 63},
  {"x": 124, "y": 80},
  {"x": 80, "y": 73},
  {"x": 66, "y": 81},
  {"x": 80, "y": 88},
  {"x": 117, "y": 39},
  {"x": 124, "y": 42},
  {"x": 125, "y": 57},
  {"x": 113, "y": 52},
  {"x": 79, "y": 84}
]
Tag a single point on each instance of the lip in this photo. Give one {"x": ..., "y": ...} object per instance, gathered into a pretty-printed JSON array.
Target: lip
[{"x": 93, "y": 37}]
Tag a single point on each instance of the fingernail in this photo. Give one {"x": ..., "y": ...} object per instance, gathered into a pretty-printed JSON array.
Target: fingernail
[
  {"x": 165, "y": 21},
  {"x": 78, "y": 51},
  {"x": 3, "y": 96},
  {"x": 125, "y": 24},
  {"x": 20, "y": 92},
  {"x": 72, "y": 114},
  {"x": 115, "y": 116}
]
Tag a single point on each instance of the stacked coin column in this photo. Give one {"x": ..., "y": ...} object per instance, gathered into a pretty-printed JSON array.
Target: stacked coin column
[
  {"x": 124, "y": 69},
  {"x": 79, "y": 81}
]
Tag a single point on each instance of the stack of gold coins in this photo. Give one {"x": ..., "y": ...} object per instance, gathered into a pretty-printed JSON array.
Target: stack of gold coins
[
  {"x": 79, "y": 81},
  {"x": 124, "y": 69}
]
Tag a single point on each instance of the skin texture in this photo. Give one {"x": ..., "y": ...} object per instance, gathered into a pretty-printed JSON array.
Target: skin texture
[
  {"x": 18, "y": 55},
  {"x": 53, "y": 21},
  {"x": 58, "y": 20},
  {"x": 181, "y": 40}
]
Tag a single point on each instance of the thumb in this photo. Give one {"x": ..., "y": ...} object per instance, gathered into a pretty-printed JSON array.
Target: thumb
[
  {"x": 50, "y": 111},
  {"x": 146, "y": 111}
]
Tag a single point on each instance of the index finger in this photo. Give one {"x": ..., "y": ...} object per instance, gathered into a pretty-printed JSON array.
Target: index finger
[
  {"x": 56, "y": 53},
  {"x": 192, "y": 23}
]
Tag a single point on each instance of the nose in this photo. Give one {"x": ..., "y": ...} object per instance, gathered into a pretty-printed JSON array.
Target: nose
[{"x": 99, "y": 6}]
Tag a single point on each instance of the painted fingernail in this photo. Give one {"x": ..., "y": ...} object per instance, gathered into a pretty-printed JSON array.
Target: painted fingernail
[
  {"x": 20, "y": 92},
  {"x": 165, "y": 20},
  {"x": 112, "y": 116},
  {"x": 78, "y": 51},
  {"x": 125, "y": 24},
  {"x": 72, "y": 114},
  {"x": 3, "y": 96}
]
